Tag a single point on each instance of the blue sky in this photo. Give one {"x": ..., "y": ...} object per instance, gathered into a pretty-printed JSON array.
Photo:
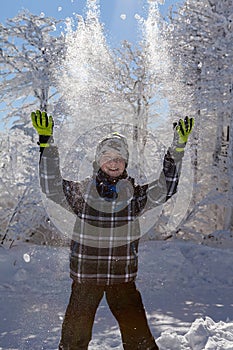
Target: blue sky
[{"x": 116, "y": 28}]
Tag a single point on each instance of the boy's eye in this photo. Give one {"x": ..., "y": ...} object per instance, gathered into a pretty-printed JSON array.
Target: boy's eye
[{"x": 106, "y": 159}]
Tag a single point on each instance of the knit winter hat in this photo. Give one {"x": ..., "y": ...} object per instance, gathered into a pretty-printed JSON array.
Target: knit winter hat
[{"x": 114, "y": 142}]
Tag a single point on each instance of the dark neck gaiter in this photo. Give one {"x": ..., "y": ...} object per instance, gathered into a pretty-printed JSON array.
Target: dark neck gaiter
[{"x": 106, "y": 185}]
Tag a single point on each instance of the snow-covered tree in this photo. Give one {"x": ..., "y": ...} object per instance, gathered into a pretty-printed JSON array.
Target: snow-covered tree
[
  {"x": 21, "y": 209},
  {"x": 202, "y": 40},
  {"x": 28, "y": 58},
  {"x": 29, "y": 55}
]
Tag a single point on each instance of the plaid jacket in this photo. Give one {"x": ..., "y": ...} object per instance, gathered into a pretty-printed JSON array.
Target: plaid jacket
[{"x": 106, "y": 234}]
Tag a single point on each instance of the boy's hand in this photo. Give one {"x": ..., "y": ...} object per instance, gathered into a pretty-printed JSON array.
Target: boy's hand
[
  {"x": 44, "y": 127},
  {"x": 182, "y": 131},
  {"x": 42, "y": 123}
]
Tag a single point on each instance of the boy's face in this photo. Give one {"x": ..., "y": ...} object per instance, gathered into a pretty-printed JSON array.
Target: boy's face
[{"x": 112, "y": 163}]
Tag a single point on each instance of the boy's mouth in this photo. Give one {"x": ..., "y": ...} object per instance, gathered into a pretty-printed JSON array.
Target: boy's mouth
[{"x": 113, "y": 169}]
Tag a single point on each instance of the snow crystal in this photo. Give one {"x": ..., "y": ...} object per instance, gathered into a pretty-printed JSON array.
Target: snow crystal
[
  {"x": 123, "y": 16},
  {"x": 137, "y": 16},
  {"x": 26, "y": 257},
  {"x": 161, "y": 2},
  {"x": 171, "y": 27}
]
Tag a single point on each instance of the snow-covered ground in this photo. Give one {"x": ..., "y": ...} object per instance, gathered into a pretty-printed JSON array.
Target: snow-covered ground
[{"x": 187, "y": 290}]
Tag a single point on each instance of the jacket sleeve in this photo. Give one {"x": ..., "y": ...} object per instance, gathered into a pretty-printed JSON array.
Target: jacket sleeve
[
  {"x": 165, "y": 186},
  {"x": 51, "y": 182}
]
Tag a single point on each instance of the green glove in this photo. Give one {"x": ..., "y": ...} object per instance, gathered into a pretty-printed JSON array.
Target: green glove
[
  {"x": 182, "y": 131},
  {"x": 44, "y": 127}
]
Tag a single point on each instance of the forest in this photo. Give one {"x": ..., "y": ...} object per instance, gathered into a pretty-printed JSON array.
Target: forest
[{"x": 179, "y": 66}]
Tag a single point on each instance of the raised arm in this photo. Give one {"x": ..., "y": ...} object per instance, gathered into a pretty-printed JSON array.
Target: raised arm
[
  {"x": 165, "y": 187},
  {"x": 51, "y": 181}
]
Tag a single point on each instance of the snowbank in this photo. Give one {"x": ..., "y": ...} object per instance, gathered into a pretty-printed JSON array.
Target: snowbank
[
  {"x": 186, "y": 288},
  {"x": 204, "y": 334}
]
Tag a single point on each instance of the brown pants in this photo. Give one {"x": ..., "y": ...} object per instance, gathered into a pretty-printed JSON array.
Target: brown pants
[{"x": 125, "y": 303}]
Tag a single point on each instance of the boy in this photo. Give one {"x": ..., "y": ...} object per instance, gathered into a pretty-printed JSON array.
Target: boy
[{"x": 104, "y": 245}]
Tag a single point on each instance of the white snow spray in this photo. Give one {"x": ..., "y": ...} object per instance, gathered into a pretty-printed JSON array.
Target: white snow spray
[
  {"x": 87, "y": 71},
  {"x": 127, "y": 90},
  {"x": 26, "y": 257}
]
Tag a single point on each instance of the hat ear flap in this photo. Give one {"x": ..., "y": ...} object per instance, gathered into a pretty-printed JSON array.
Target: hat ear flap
[{"x": 96, "y": 166}]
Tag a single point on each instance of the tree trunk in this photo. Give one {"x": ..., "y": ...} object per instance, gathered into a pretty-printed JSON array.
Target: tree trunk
[{"x": 228, "y": 224}]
